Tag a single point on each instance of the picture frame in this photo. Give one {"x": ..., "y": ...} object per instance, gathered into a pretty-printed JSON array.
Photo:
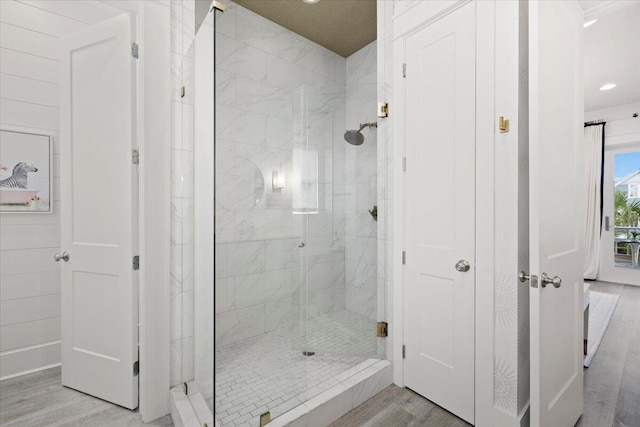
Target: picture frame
[{"x": 26, "y": 172}]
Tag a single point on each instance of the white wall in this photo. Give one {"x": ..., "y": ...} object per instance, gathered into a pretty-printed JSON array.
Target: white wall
[{"x": 29, "y": 278}]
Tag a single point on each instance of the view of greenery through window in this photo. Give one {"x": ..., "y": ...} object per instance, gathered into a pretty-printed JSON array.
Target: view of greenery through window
[{"x": 627, "y": 206}]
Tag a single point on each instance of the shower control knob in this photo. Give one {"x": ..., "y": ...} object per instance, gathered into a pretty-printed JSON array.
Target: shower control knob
[{"x": 301, "y": 245}]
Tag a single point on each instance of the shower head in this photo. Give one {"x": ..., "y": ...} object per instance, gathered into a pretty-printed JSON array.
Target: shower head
[{"x": 355, "y": 137}]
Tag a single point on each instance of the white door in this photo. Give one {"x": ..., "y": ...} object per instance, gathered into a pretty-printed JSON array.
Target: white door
[
  {"x": 440, "y": 212},
  {"x": 98, "y": 186},
  {"x": 556, "y": 240}
]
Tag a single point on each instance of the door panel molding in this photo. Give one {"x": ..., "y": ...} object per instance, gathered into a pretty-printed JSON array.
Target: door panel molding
[{"x": 99, "y": 207}]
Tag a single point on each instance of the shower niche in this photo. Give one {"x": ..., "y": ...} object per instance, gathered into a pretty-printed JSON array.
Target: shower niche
[{"x": 286, "y": 297}]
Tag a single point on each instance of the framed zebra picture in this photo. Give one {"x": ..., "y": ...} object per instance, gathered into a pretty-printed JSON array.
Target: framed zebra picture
[{"x": 25, "y": 172}]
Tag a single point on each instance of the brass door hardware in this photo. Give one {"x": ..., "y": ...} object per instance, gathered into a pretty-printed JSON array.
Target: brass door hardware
[
  {"x": 383, "y": 109},
  {"x": 265, "y": 418},
  {"x": 383, "y": 330},
  {"x": 504, "y": 125},
  {"x": 216, "y": 5}
]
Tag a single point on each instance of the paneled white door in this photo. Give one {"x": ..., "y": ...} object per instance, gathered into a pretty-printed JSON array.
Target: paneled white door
[
  {"x": 98, "y": 202},
  {"x": 556, "y": 211},
  {"x": 440, "y": 212}
]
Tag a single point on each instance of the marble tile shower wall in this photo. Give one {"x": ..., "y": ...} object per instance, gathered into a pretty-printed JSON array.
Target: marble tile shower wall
[
  {"x": 276, "y": 92},
  {"x": 361, "y": 288},
  {"x": 182, "y": 201}
]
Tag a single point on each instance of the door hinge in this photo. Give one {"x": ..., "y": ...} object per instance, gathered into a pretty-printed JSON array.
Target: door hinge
[
  {"x": 134, "y": 50},
  {"x": 136, "y": 262},
  {"x": 383, "y": 109},
  {"x": 404, "y": 351},
  {"x": 136, "y": 368},
  {"x": 135, "y": 157},
  {"x": 404, "y": 257},
  {"x": 404, "y": 70},
  {"x": 382, "y": 330},
  {"x": 404, "y": 164}
]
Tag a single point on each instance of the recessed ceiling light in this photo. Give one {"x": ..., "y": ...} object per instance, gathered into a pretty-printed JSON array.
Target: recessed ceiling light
[
  {"x": 311, "y": 1},
  {"x": 586, "y": 24},
  {"x": 608, "y": 86}
]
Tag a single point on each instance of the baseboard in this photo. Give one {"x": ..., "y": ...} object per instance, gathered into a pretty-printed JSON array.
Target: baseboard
[
  {"x": 19, "y": 374},
  {"x": 15, "y": 363}
]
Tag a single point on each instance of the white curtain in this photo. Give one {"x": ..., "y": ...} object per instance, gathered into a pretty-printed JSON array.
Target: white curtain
[{"x": 593, "y": 140}]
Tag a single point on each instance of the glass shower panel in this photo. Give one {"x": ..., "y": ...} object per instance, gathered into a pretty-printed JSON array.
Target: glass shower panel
[{"x": 258, "y": 264}]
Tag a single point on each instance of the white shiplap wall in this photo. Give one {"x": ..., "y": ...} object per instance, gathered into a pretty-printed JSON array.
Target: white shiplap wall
[{"x": 29, "y": 97}]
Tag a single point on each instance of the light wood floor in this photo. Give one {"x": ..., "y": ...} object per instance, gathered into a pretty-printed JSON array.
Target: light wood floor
[
  {"x": 39, "y": 399},
  {"x": 611, "y": 384},
  {"x": 399, "y": 407},
  {"x": 611, "y": 394}
]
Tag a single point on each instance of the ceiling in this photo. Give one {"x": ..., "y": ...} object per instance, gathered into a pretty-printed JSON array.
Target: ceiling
[
  {"x": 612, "y": 53},
  {"x": 342, "y": 26}
]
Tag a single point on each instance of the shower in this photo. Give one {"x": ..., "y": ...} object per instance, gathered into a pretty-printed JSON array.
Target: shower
[{"x": 355, "y": 137}]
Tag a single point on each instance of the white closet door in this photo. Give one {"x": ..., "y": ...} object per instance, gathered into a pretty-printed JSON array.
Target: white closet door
[
  {"x": 440, "y": 212},
  {"x": 556, "y": 216},
  {"x": 99, "y": 286}
]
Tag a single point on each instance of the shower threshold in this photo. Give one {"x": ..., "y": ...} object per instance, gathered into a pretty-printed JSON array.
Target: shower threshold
[{"x": 275, "y": 373}]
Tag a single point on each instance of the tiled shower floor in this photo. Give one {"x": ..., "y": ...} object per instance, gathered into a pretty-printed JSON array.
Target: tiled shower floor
[{"x": 267, "y": 373}]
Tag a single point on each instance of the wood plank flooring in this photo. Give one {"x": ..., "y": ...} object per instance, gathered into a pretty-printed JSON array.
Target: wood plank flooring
[
  {"x": 611, "y": 394},
  {"x": 611, "y": 387},
  {"x": 39, "y": 399},
  {"x": 612, "y": 382},
  {"x": 399, "y": 407}
]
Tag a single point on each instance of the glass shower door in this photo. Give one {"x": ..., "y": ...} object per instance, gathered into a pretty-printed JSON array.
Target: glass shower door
[{"x": 337, "y": 301}]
